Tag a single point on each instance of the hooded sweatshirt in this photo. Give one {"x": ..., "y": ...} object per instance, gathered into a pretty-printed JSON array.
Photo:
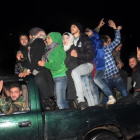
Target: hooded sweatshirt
[{"x": 55, "y": 56}]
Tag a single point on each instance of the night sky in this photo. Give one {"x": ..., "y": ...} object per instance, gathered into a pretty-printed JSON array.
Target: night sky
[{"x": 20, "y": 17}]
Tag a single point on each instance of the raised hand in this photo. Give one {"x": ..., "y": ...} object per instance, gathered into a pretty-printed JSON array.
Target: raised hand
[
  {"x": 119, "y": 27},
  {"x": 1, "y": 85},
  {"x": 120, "y": 65},
  {"x": 19, "y": 55},
  {"x": 138, "y": 53},
  {"x": 101, "y": 23},
  {"x": 112, "y": 24}
]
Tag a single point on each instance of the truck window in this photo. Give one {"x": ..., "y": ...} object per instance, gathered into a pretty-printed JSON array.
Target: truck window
[{"x": 5, "y": 93}]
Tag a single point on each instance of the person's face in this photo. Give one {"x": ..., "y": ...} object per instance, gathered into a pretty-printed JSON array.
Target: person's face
[
  {"x": 74, "y": 29},
  {"x": 89, "y": 33},
  {"x": 23, "y": 40},
  {"x": 15, "y": 93},
  {"x": 108, "y": 40},
  {"x": 30, "y": 36},
  {"x": 66, "y": 39},
  {"x": 118, "y": 48},
  {"x": 132, "y": 62},
  {"x": 49, "y": 40}
]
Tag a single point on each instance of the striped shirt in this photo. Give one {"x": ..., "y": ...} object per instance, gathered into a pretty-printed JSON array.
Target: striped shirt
[{"x": 110, "y": 65}]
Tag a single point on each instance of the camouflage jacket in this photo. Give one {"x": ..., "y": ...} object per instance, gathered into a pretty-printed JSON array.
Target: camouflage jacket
[{"x": 8, "y": 106}]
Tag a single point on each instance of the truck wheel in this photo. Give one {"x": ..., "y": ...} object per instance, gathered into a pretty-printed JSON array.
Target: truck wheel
[{"x": 102, "y": 135}]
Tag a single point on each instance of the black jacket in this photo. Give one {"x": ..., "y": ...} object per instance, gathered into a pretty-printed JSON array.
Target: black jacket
[
  {"x": 36, "y": 52},
  {"x": 24, "y": 62},
  {"x": 136, "y": 76},
  {"x": 70, "y": 61},
  {"x": 85, "y": 50}
]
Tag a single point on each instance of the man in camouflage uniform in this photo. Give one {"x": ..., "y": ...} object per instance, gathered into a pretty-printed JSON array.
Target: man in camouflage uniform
[{"x": 15, "y": 102}]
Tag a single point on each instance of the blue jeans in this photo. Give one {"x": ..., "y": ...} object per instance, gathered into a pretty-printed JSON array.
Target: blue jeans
[
  {"x": 116, "y": 83},
  {"x": 60, "y": 91},
  {"x": 91, "y": 92},
  {"x": 77, "y": 73},
  {"x": 98, "y": 80},
  {"x": 94, "y": 90}
]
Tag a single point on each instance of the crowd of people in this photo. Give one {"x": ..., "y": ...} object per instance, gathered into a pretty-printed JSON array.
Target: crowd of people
[{"x": 73, "y": 69}]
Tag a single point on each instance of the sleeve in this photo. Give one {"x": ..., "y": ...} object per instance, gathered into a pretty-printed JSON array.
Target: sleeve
[
  {"x": 138, "y": 65},
  {"x": 36, "y": 54},
  {"x": 117, "y": 57},
  {"x": 116, "y": 41},
  {"x": 55, "y": 62},
  {"x": 97, "y": 29},
  {"x": 7, "y": 107},
  {"x": 88, "y": 53},
  {"x": 21, "y": 49}
]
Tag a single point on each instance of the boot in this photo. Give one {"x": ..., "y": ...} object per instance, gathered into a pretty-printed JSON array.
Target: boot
[{"x": 111, "y": 100}]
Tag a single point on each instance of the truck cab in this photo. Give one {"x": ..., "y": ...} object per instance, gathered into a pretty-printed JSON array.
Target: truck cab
[{"x": 103, "y": 122}]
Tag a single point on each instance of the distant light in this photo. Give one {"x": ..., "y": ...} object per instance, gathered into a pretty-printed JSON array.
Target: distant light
[{"x": 10, "y": 33}]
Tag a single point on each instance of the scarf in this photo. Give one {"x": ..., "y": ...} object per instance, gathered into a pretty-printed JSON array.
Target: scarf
[
  {"x": 50, "y": 47},
  {"x": 67, "y": 47}
]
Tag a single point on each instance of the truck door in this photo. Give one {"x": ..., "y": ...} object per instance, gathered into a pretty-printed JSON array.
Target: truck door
[{"x": 24, "y": 124}]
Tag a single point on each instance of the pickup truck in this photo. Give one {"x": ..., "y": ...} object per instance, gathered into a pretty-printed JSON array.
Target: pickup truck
[{"x": 103, "y": 122}]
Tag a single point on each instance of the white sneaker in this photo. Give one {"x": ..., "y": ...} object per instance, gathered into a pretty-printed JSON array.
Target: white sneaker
[{"x": 111, "y": 100}]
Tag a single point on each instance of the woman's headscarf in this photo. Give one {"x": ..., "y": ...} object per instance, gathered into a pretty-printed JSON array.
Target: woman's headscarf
[
  {"x": 56, "y": 41},
  {"x": 37, "y": 33},
  {"x": 67, "y": 47},
  {"x": 34, "y": 31}
]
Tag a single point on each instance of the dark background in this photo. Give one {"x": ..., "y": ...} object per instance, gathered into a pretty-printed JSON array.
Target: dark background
[{"x": 54, "y": 15}]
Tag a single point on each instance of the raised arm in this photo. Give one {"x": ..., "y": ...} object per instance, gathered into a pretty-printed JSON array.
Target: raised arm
[
  {"x": 138, "y": 53},
  {"x": 117, "y": 38},
  {"x": 1, "y": 85},
  {"x": 101, "y": 23},
  {"x": 112, "y": 24}
]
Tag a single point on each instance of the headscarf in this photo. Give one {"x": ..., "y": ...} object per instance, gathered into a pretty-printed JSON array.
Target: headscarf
[
  {"x": 56, "y": 41},
  {"x": 34, "y": 31},
  {"x": 37, "y": 33},
  {"x": 67, "y": 47}
]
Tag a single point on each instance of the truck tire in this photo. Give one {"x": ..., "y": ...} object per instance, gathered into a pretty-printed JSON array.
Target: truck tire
[{"x": 102, "y": 135}]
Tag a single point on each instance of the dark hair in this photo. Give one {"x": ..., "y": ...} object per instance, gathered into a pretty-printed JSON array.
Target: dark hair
[
  {"x": 79, "y": 26},
  {"x": 104, "y": 38},
  {"x": 87, "y": 30},
  {"x": 7, "y": 86},
  {"x": 23, "y": 34},
  {"x": 66, "y": 34},
  {"x": 132, "y": 55},
  {"x": 17, "y": 85}
]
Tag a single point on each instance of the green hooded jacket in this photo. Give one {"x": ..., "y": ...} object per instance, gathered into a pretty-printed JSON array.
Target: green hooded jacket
[{"x": 57, "y": 57}]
